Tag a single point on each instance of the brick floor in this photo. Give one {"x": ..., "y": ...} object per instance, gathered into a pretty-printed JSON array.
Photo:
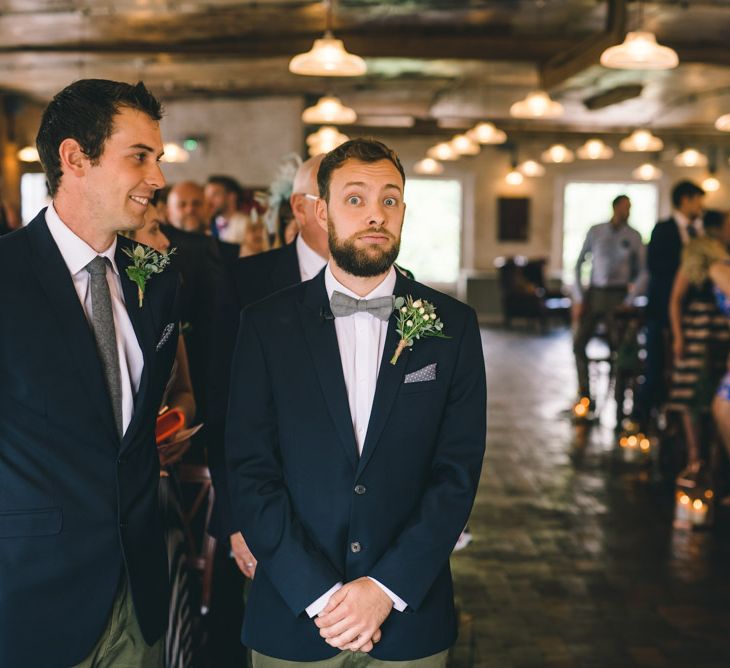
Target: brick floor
[{"x": 574, "y": 562}]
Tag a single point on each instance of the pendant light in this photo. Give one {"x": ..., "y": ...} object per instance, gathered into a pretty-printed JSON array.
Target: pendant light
[
  {"x": 595, "y": 149},
  {"x": 640, "y": 51},
  {"x": 711, "y": 184},
  {"x": 487, "y": 133},
  {"x": 690, "y": 157},
  {"x": 173, "y": 152},
  {"x": 463, "y": 145},
  {"x": 647, "y": 172},
  {"x": 28, "y": 154},
  {"x": 328, "y": 57},
  {"x": 723, "y": 123},
  {"x": 642, "y": 141},
  {"x": 329, "y": 110},
  {"x": 531, "y": 168},
  {"x": 558, "y": 153},
  {"x": 537, "y": 104},
  {"x": 428, "y": 167},
  {"x": 514, "y": 177},
  {"x": 326, "y": 139},
  {"x": 443, "y": 151}
]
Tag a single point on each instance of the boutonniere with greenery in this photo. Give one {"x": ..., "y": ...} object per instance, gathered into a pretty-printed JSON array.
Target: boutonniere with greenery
[
  {"x": 145, "y": 263},
  {"x": 416, "y": 320}
]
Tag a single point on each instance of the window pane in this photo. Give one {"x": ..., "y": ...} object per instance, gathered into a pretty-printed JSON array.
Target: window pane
[
  {"x": 587, "y": 204},
  {"x": 33, "y": 195},
  {"x": 431, "y": 242}
]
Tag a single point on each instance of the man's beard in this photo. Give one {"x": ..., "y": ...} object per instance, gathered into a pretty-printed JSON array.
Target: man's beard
[{"x": 363, "y": 262}]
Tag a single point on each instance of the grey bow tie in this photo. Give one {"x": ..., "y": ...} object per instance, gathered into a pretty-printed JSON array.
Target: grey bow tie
[{"x": 380, "y": 307}]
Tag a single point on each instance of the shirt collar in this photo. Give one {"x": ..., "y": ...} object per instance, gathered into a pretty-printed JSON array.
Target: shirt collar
[
  {"x": 75, "y": 251},
  {"x": 384, "y": 289},
  {"x": 310, "y": 262}
]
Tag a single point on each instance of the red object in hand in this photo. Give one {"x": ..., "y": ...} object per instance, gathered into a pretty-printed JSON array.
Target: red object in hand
[{"x": 168, "y": 424}]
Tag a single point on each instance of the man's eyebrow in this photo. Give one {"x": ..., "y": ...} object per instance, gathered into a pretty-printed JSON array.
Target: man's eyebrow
[
  {"x": 143, "y": 147},
  {"x": 362, "y": 184}
]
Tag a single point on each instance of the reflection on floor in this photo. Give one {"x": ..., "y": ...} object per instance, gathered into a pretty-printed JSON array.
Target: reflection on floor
[{"x": 574, "y": 561}]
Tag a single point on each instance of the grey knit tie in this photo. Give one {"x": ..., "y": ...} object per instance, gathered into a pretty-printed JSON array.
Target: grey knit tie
[{"x": 102, "y": 321}]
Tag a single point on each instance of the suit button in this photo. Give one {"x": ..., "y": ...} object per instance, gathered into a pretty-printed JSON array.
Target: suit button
[
  {"x": 121, "y": 461},
  {"x": 355, "y": 547},
  {"x": 122, "y": 524},
  {"x": 360, "y": 489}
]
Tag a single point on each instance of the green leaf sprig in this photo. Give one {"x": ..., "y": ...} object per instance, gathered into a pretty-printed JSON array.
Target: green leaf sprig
[
  {"x": 417, "y": 319},
  {"x": 145, "y": 262}
]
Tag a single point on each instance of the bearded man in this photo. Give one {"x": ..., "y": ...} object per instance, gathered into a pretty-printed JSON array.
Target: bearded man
[{"x": 353, "y": 470}]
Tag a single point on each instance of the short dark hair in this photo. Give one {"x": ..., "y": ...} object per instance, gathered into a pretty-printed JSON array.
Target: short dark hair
[
  {"x": 713, "y": 219},
  {"x": 229, "y": 184},
  {"x": 618, "y": 199},
  {"x": 685, "y": 189},
  {"x": 364, "y": 150},
  {"x": 85, "y": 111}
]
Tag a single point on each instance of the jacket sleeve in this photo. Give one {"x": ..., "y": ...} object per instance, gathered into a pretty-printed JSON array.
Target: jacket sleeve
[
  {"x": 261, "y": 506},
  {"x": 421, "y": 551}
]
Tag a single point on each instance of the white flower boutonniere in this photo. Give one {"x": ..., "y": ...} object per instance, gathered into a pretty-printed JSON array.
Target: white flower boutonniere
[
  {"x": 145, "y": 262},
  {"x": 416, "y": 319}
]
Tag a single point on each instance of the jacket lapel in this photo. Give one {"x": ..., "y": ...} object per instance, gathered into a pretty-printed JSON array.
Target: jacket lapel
[
  {"x": 390, "y": 377},
  {"x": 53, "y": 274},
  {"x": 144, "y": 329},
  {"x": 321, "y": 337}
]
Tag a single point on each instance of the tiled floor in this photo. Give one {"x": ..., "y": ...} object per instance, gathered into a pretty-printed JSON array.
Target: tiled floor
[{"x": 574, "y": 561}]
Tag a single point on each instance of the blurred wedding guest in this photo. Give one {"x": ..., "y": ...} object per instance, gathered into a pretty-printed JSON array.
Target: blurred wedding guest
[
  {"x": 223, "y": 195},
  {"x": 700, "y": 343},
  {"x": 663, "y": 257},
  {"x": 617, "y": 260},
  {"x": 84, "y": 359},
  {"x": 8, "y": 220},
  {"x": 251, "y": 279},
  {"x": 255, "y": 236},
  {"x": 186, "y": 207},
  {"x": 279, "y": 215},
  {"x": 178, "y": 395}
]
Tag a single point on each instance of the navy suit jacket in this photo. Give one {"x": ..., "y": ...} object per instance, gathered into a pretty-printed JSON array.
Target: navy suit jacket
[
  {"x": 663, "y": 257},
  {"x": 312, "y": 511},
  {"x": 76, "y": 504}
]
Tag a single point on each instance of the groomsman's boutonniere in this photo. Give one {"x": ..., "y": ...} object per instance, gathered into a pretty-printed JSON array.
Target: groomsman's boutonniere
[
  {"x": 145, "y": 262},
  {"x": 416, "y": 319}
]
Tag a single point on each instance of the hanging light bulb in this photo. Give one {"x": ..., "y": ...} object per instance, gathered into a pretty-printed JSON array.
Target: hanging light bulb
[
  {"x": 443, "y": 151},
  {"x": 723, "y": 123},
  {"x": 325, "y": 140},
  {"x": 464, "y": 146},
  {"x": 711, "y": 184},
  {"x": 690, "y": 158},
  {"x": 537, "y": 104},
  {"x": 428, "y": 166},
  {"x": 640, "y": 51},
  {"x": 487, "y": 133},
  {"x": 328, "y": 57},
  {"x": 642, "y": 141},
  {"x": 174, "y": 153},
  {"x": 28, "y": 154},
  {"x": 531, "y": 168},
  {"x": 595, "y": 149},
  {"x": 329, "y": 110},
  {"x": 514, "y": 178},
  {"x": 558, "y": 153},
  {"x": 647, "y": 172}
]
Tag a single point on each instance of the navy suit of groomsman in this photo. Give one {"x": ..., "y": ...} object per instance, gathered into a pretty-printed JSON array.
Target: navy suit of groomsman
[
  {"x": 83, "y": 365},
  {"x": 351, "y": 477}
]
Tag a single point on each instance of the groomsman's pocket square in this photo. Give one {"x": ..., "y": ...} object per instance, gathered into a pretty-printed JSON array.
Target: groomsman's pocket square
[
  {"x": 166, "y": 334},
  {"x": 422, "y": 375}
]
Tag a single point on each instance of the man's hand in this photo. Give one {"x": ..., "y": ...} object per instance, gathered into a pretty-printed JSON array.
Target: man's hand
[
  {"x": 354, "y": 615},
  {"x": 244, "y": 558}
]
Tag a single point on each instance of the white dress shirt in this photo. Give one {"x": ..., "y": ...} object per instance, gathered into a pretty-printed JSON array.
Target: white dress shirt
[
  {"x": 683, "y": 223},
  {"x": 361, "y": 340},
  {"x": 77, "y": 254},
  {"x": 310, "y": 262}
]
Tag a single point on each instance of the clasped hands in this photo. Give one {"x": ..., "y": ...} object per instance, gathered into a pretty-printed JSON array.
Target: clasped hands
[{"x": 353, "y": 616}]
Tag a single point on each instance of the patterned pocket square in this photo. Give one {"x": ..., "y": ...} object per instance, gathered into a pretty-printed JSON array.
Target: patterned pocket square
[
  {"x": 166, "y": 334},
  {"x": 422, "y": 375}
]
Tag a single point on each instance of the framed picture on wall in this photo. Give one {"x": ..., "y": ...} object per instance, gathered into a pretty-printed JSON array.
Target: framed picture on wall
[{"x": 513, "y": 218}]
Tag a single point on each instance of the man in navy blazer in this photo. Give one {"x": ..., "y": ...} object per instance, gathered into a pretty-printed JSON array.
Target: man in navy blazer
[
  {"x": 351, "y": 477},
  {"x": 83, "y": 567}
]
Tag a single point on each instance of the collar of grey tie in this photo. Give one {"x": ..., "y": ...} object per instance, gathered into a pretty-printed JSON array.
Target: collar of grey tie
[{"x": 344, "y": 305}]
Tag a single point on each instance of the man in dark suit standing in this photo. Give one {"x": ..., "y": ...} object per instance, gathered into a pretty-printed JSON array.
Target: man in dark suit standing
[
  {"x": 84, "y": 359},
  {"x": 352, "y": 473},
  {"x": 663, "y": 257}
]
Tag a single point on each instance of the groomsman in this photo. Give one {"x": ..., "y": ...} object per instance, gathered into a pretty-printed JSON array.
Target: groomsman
[
  {"x": 84, "y": 360},
  {"x": 351, "y": 477}
]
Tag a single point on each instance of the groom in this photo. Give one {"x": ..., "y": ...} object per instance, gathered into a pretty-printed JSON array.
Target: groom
[
  {"x": 83, "y": 566},
  {"x": 351, "y": 478}
]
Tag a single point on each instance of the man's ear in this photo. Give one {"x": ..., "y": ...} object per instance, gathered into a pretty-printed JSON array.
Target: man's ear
[
  {"x": 297, "y": 202},
  {"x": 73, "y": 160},
  {"x": 320, "y": 213}
]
